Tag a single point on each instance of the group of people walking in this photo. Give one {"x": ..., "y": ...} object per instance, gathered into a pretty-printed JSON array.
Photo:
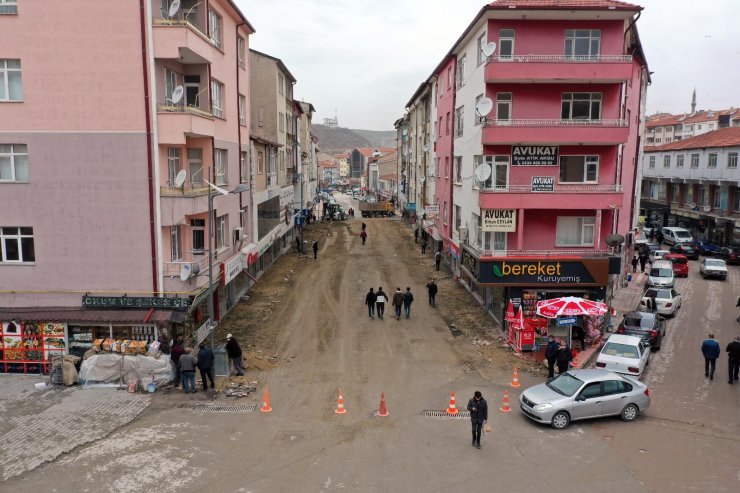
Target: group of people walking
[
  {"x": 711, "y": 350},
  {"x": 376, "y": 300}
]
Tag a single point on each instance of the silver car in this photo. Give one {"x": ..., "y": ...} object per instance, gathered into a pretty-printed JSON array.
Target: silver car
[{"x": 582, "y": 394}]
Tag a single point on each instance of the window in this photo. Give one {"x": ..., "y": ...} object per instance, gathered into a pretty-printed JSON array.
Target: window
[
  {"x": 651, "y": 164},
  {"x": 582, "y": 44},
  {"x": 16, "y": 245},
  {"x": 281, "y": 84},
  {"x": 694, "y": 160},
  {"x": 579, "y": 169},
  {"x": 175, "y": 248},
  {"x": 192, "y": 90},
  {"x": 459, "y": 122},
  {"x": 478, "y": 117},
  {"x": 575, "y": 231},
  {"x": 214, "y": 28},
  {"x": 503, "y": 106},
  {"x": 445, "y": 215},
  {"x": 494, "y": 241},
  {"x": 732, "y": 160},
  {"x": 173, "y": 164},
  {"x": 458, "y": 218},
  {"x": 666, "y": 161},
  {"x": 221, "y": 165},
  {"x": 581, "y": 106},
  {"x": 506, "y": 44},
  {"x": 499, "y": 179},
  {"x": 14, "y": 162},
  {"x": 458, "y": 169},
  {"x": 679, "y": 161},
  {"x": 449, "y": 78},
  {"x": 260, "y": 162},
  {"x": 8, "y": 7},
  {"x": 675, "y": 192},
  {"x": 244, "y": 217},
  {"x": 447, "y": 124},
  {"x": 281, "y": 158},
  {"x": 591, "y": 390},
  {"x": 170, "y": 83},
  {"x": 221, "y": 232},
  {"x": 736, "y": 200},
  {"x": 11, "y": 86},
  {"x": 474, "y": 234},
  {"x": 712, "y": 160},
  {"x": 481, "y": 43},
  {"x": 721, "y": 196},
  {"x": 281, "y": 122},
  {"x": 241, "y": 52},
  {"x": 198, "y": 230},
  {"x": 217, "y": 90},
  {"x": 460, "y": 75},
  {"x": 243, "y": 168},
  {"x": 447, "y": 166},
  {"x": 242, "y": 110},
  {"x": 195, "y": 167}
]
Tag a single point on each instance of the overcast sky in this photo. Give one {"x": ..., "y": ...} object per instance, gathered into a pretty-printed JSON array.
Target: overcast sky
[{"x": 365, "y": 58}]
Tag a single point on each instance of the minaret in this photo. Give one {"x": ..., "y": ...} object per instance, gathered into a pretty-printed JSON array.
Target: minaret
[{"x": 693, "y": 102}]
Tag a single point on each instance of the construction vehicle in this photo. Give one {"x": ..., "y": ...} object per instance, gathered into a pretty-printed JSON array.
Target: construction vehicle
[{"x": 375, "y": 209}]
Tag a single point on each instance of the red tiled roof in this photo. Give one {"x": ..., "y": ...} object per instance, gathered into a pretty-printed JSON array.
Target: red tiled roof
[
  {"x": 700, "y": 116},
  {"x": 368, "y": 151},
  {"x": 724, "y": 137},
  {"x": 564, "y": 4}
]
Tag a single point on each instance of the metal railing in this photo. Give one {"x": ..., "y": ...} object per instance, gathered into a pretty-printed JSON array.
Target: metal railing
[
  {"x": 182, "y": 22},
  {"x": 543, "y": 122},
  {"x": 183, "y": 108},
  {"x": 585, "y": 188},
  {"x": 187, "y": 190},
  {"x": 173, "y": 268},
  {"x": 586, "y": 252},
  {"x": 562, "y": 58}
]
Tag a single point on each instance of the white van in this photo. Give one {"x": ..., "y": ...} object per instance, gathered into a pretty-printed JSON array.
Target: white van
[
  {"x": 673, "y": 236},
  {"x": 661, "y": 274}
]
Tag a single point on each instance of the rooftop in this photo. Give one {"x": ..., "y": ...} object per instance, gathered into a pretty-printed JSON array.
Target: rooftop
[
  {"x": 724, "y": 137},
  {"x": 564, "y": 5}
]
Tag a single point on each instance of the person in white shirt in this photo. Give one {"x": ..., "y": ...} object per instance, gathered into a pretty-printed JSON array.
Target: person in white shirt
[{"x": 380, "y": 302}]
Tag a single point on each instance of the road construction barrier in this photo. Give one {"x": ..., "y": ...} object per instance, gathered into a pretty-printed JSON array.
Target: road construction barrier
[
  {"x": 382, "y": 410},
  {"x": 266, "y": 408},
  {"x": 515, "y": 379},
  {"x": 452, "y": 409},
  {"x": 340, "y": 404},
  {"x": 505, "y": 406}
]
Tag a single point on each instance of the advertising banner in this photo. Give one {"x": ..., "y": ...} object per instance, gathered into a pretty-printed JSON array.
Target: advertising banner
[
  {"x": 499, "y": 220},
  {"x": 545, "y": 272},
  {"x": 534, "y": 155},
  {"x": 543, "y": 183}
]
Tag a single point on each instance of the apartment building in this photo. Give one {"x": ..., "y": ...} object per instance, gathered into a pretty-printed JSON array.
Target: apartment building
[
  {"x": 307, "y": 177},
  {"x": 666, "y": 128}
]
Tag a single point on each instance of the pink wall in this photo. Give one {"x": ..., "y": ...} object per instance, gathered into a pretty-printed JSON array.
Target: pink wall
[
  {"x": 630, "y": 150},
  {"x": 444, "y": 147},
  {"x": 540, "y": 226},
  {"x": 532, "y": 101}
]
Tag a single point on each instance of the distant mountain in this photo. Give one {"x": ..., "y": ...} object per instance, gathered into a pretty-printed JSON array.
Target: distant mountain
[{"x": 337, "y": 139}]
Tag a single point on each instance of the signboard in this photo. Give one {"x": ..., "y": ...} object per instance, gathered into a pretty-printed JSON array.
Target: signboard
[
  {"x": 499, "y": 220},
  {"x": 545, "y": 272},
  {"x": 567, "y": 321},
  {"x": 203, "y": 332},
  {"x": 469, "y": 262},
  {"x": 534, "y": 155},
  {"x": 432, "y": 208},
  {"x": 543, "y": 183},
  {"x": 135, "y": 302},
  {"x": 454, "y": 250},
  {"x": 231, "y": 268}
]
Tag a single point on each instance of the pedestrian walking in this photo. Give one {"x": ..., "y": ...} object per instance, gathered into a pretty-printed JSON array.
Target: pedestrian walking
[
  {"x": 432, "y": 290},
  {"x": 398, "y": 302},
  {"x": 659, "y": 236},
  {"x": 187, "y": 367},
  {"x": 408, "y": 298},
  {"x": 563, "y": 359},
  {"x": 298, "y": 244},
  {"x": 643, "y": 261},
  {"x": 370, "y": 302},
  {"x": 551, "y": 355},
  {"x": 478, "y": 408},
  {"x": 235, "y": 354},
  {"x": 635, "y": 261},
  {"x": 315, "y": 250},
  {"x": 423, "y": 245},
  {"x": 175, "y": 354},
  {"x": 364, "y": 226},
  {"x": 416, "y": 233},
  {"x": 205, "y": 365},
  {"x": 363, "y": 235},
  {"x": 380, "y": 299},
  {"x": 710, "y": 350},
  {"x": 437, "y": 259},
  {"x": 733, "y": 353}
]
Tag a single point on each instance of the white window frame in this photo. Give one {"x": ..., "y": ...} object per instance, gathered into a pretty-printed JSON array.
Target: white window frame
[
  {"x": 481, "y": 56},
  {"x": 221, "y": 232},
  {"x": 19, "y": 236},
  {"x": 195, "y": 166},
  {"x": 460, "y": 72},
  {"x": 477, "y": 118},
  {"x": 458, "y": 218},
  {"x": 281, "y": 122},
  {"x": 651, "y": 162},
  {"x": 570, "y": 99},
  {"x": 585, "y": 227},
  {"x": 16, "y": 155},
  {"x": 500, "y": 168},
  {"x": 175, "y": 244},
  {"x": 217, "y": 92},
  {"x": 695, "y": 160},
  {"x": 732, "y": 160},
  {"x": 590, "y": 164},
  {"x": 8, "y": 6},
  {"x": 241, "y": 43},
  {"x": 173, "y": 165},
  {"x": 572, "y": 36},
  {"x": 506, "y": 37},
  {"x": 244, "y": 166},
  {"x": 171, "y": 79},
  {"x": 504, "y": 100},
  {"x": 679, "y": 161},
  {"x": 712, "y": 163},
  {"x": 198, "y": 235},
  {"x": 494, "y": 241},
  {"x": 5, "y": 75},
  {"x": 457, "y": 172},
  {"x": 242, "y": 110},
  {"x": 459, "y": 121},
  {"x": 215, "y": 24},
  {"x": 667, "y": 161},
  {"x": 221, "y": 166}
]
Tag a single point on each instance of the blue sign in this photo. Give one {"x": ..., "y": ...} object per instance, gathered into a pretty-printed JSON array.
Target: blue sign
[{"x": 567, "y": 321}]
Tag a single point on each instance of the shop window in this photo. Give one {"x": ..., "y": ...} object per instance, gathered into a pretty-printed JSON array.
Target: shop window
[
  {"x": 575, "y": 231},
  {"x": 14, "y": 162},
  {"x": 579, "y": 169},
  {"x": 16, "y": 245}
]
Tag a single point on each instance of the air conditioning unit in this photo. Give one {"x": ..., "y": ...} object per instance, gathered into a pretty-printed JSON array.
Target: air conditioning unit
[{"x": 238, "y": 234}]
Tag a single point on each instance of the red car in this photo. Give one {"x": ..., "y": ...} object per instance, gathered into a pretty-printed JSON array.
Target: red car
[{"x": 680, "y": 264}]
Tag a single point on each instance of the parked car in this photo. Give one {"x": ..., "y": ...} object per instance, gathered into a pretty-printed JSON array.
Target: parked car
[
  {"x": 706, "y": 248},
  {"x": 657, "y": 255},
  {"x": 680, "y": 264},
  {"x": 666, "y": 299},
  {"x": 647, "y": 247},
  {"x": 713, "y": 267},
  {"x": 673, "y": 235},
  {"x": 731, "y": 255},
  {"x": 687, "y": 249},
  {"x": 624, "y": 354},
  {"x": 583, "y": 394},
  {"x": 649, "y": 326},
  {"x": 661, "y": 274}
]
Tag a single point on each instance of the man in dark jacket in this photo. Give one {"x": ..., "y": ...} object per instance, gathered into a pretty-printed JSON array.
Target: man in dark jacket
[
  {"x": 380, "y": 299},
  {"x": 177, "y": 351},
  {"x": 432, "y": 290},
  {"x": 187, "y": 367},
  {"x": 551, "y": 354},
  {"x": 205, "y": 365},
  {"x": 398, "y": 302},
  {"x": 315, "y": 250},
  {"x": 235, "y": 354},
  {"x": 408, "y": 298},
  {"x": 437, "y": 259},
  {"x": 478, "y": 408},
  {"x": 710, "y": 350},
  {"x": 370, "y": 302},
  {"x": 733, "y": 351},
  {"x": 564, "y": 357}
]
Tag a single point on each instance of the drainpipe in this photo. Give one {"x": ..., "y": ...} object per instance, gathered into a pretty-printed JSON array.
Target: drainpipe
[
  {"x": 238, "y": 123},
  {"x": 149, "y": 157}
]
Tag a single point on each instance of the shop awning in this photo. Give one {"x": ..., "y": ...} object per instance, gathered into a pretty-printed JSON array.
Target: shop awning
[{"x": 81, "y": 315}]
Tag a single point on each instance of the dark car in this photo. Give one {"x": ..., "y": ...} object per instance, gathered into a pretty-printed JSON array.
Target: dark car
[
  {"x": 649, "y": 326},
  {"x": 731, "y": 255},
  {"x": 706, "y": 249},
  {"x": 647, "y": 248},
  {"x": 687, "y": 249}
]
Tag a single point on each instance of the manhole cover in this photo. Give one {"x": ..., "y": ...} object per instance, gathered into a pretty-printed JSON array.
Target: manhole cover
[
  {"x": 443, "y": 414},
  {"x": 234, "y": 408}
]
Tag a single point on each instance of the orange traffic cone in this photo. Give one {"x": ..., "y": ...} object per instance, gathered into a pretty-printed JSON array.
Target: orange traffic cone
[
  {"x": 266, "y": 408},
  {"x": 340, "y": 404},
  {"x": 383, "y": 411},
  {"x": 515, "y": 379},
  {"x": 505, "y": 406},
  {"x": 452, "y": 410}
]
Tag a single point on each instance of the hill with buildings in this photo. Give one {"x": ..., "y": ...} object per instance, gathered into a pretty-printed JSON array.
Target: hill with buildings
[{"x": 338, "y": 139}]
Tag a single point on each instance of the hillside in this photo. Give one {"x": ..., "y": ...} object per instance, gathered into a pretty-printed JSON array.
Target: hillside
[{"x": 338, "y": 139}]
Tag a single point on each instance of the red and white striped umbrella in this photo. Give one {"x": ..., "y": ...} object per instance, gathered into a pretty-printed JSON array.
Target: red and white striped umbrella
[{"x": 570, "y": 306}]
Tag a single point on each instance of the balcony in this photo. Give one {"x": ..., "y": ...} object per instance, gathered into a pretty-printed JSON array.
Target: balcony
[
  {"x": 548, "y": 131},
  {"x": 177, "y": 204},
  {"x": 559, "y": 68},
  {"x": 171, "y": 273},
  {"x": 564, "y": 197},
  {"x": 179, "y": 39},
  {"x": 176, "y": 122}
]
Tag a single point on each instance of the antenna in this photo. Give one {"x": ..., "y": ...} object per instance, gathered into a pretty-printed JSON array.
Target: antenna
[
  {"x": 180, "y": 178},
  {"x": 488, "y": 49},
  {"x": 484, "y": 107},
  {"x": 177, "y": 94},
  {"x": 185, "y": 271},
  {"x": 483, "y": 172},
  {"x": 174, "y": 8}
]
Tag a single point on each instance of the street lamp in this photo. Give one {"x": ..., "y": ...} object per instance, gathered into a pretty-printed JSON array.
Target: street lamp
[{"x": 243, "y": 187}]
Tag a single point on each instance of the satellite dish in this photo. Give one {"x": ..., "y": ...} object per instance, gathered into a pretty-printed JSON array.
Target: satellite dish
[
  {"x": 422, "y": 178},
  {"x": 614, "y": 240},
  {"x": 177, "y": 94},
  {"x": 405, "y": 131},
  {"x": 707, "y": 208},
  {"x": 482, "y": 172},
  {"x": 692, "y": 205},
  {"x": 180, "y": 178},
  {"x": 195, "y": 270},
  {"x": 488, "y": 48},
  {"x": 174, "y": 8},
  {"x": 426, "y": 147},
  {"x": 185, "y": 271},
  {"x": 484, "y": 106}
]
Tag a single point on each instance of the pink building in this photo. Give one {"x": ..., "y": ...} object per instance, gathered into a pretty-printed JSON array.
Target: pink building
[{"x": 104, "y": 157}]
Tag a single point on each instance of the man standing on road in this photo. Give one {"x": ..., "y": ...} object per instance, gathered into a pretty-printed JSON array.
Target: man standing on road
[
  {"x": 643, "y": 260},
  {"x": 563, "y": 359},
  {"x": 177, "y": 351},
  {"x": 187, "y": 366},
  {"x": 235, "y": 354},
  {"x": 380, "y": 298},
  {"x": 432, "y": 290},
  {"x": 733, "y": 351},
  {"x": 408, "y": 298},
  {"x": 416, "y": 233},
  {"x": 398, "y": 302},
  {"x": 478, "y": 408},
  {"x": 551, "y": 354},
  {"x": 370, "y": 302},
  {"x": 437, "y": 259},
  {"x": 363, "y": 235},
  {"x": 205, "y": 365},
  {"x": 298, "y": 244},
  {"x": 423, "y": 244},
  {"x": 315, "y": 250},
  {"x": 710, "y": 350}
]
